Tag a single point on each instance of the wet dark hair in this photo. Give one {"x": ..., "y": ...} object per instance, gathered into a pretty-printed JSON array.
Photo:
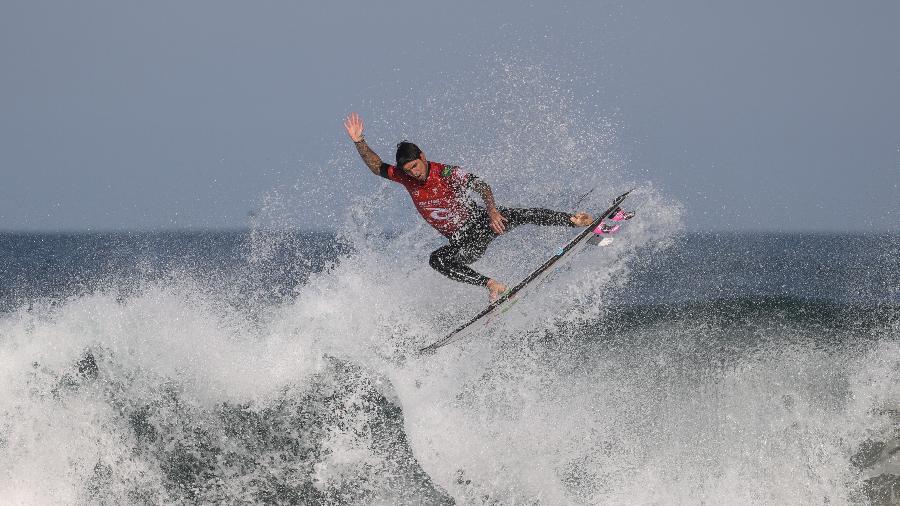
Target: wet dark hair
[{"x": 407, "y": 152}]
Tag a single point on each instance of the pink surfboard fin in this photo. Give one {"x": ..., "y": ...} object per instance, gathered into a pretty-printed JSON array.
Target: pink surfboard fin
[
  {"x": 622, "y": 215},
  {"x": 603, "y": 229}
]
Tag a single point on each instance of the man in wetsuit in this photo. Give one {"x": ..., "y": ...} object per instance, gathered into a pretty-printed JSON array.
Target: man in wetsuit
[{"x": 439, "y": 192}]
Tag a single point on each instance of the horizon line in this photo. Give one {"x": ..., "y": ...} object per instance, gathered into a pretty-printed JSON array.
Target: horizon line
[{"x": 225, "y": 230}]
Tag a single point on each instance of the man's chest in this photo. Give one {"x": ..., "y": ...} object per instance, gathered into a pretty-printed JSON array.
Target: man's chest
[{"x": 430, "y": 194}]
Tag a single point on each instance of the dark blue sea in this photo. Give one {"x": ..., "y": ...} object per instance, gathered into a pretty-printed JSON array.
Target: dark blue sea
[{"x": 280, "y": 367}]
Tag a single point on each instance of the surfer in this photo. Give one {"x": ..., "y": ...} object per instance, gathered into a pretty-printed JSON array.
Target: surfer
[{"x": 439, "y": 192}]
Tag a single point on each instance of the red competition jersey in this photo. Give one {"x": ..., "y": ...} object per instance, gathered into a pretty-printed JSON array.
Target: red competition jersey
[{"x": 441, "y": 199}]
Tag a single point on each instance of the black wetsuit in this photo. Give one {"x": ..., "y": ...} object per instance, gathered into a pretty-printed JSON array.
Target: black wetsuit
[
  {"x": 469, "y": 243},
  {"x": 442, "y": 201}
]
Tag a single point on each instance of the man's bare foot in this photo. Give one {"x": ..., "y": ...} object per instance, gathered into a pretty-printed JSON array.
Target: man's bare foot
[
  {"x": 581, "y": 219},
  {"x": 496, "y": 288}
]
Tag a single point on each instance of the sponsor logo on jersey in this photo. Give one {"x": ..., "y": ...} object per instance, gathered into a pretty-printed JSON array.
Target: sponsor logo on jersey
[{"x": 438, "y": 213}]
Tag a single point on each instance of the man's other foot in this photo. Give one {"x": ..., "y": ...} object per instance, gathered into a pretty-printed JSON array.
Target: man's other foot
[
  {"x": 496, "y": 289},
  {"x": 581, "y": 219}
]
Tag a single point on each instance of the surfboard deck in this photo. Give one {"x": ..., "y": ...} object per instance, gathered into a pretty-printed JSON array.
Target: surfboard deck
[{"x": 509, "y": 296}]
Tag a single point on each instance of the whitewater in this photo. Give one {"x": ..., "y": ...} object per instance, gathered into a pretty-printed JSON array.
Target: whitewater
[{"x": 279, "y": 366}]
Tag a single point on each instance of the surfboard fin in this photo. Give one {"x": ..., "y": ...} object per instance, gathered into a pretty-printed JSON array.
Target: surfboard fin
[
  {"x": 622, "y": 215},
  {"x": 604, "y": 228}
]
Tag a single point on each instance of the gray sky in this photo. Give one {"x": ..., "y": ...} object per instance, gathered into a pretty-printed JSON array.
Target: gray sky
[{"x": 165, "y": 114}]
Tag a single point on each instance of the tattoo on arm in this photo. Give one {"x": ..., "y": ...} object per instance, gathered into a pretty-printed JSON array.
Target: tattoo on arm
[
  {"x": 372, "y": 160},
  {"x": 482, "y": 188}
]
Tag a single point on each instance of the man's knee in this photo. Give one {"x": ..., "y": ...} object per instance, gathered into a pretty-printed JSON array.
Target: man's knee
[
  {"x": 438, "y": 259},
  {"x": 435, "y": 261}
]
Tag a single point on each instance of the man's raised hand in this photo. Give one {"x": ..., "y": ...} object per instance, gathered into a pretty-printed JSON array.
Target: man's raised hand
[{"x": 354, "y": 126}]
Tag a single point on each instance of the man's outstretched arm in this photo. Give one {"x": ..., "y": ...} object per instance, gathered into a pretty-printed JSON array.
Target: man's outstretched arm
[{"x": 354, "y": 126}]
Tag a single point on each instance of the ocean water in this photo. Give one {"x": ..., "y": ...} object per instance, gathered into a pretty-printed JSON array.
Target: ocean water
[
  {"x": 271, "y": 366},
  {"x": 276, "y": 367}
]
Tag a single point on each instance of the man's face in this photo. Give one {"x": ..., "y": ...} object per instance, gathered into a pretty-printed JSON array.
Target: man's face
[{"x": 417, "y": 168}]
